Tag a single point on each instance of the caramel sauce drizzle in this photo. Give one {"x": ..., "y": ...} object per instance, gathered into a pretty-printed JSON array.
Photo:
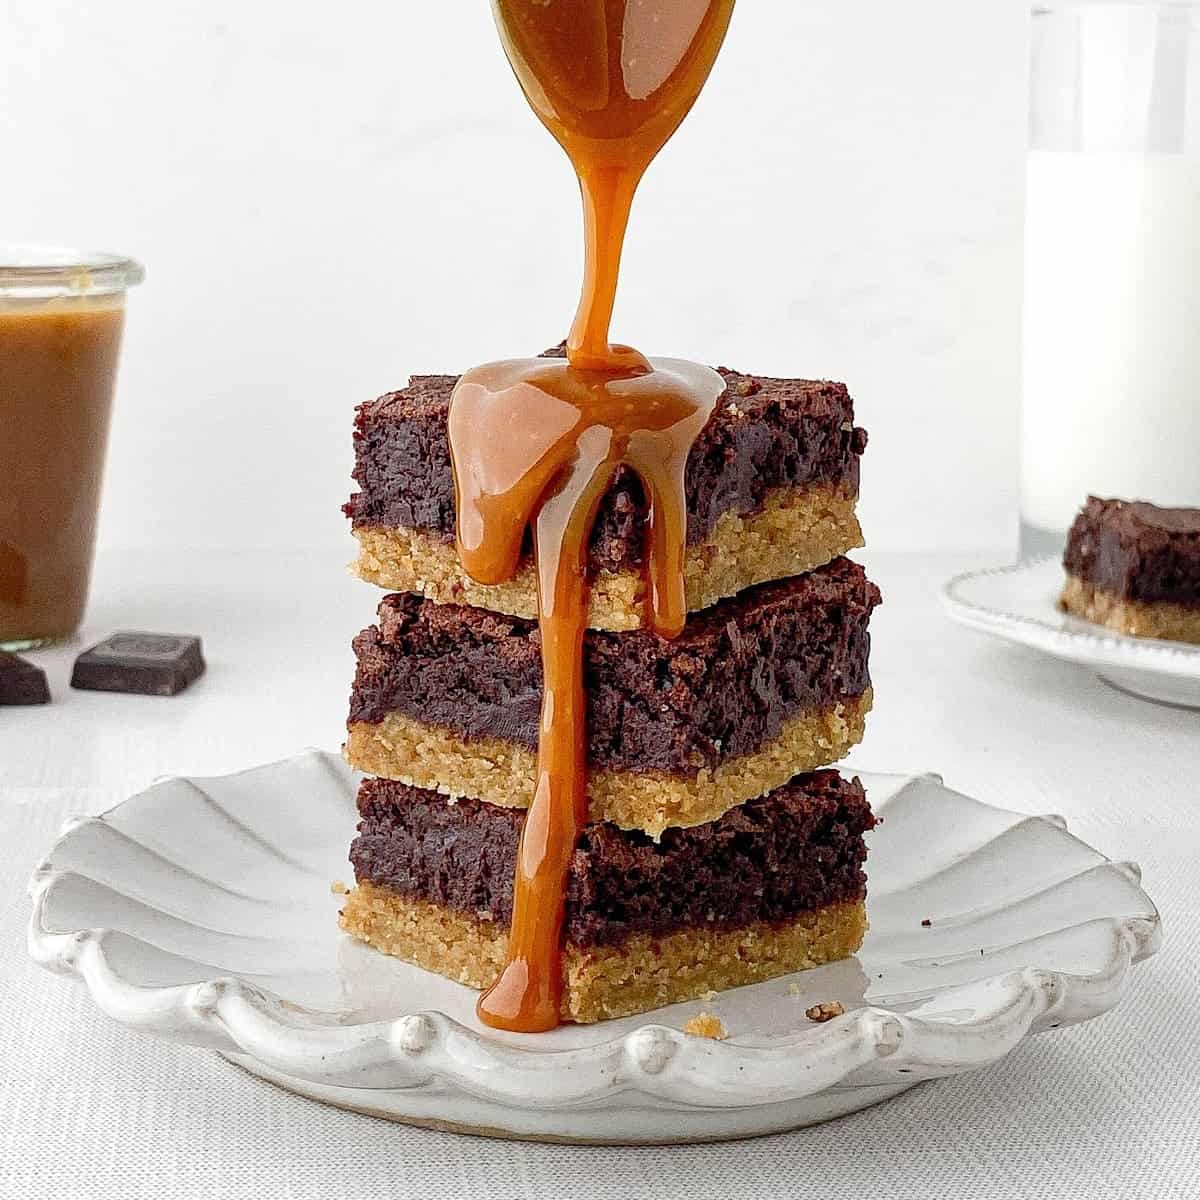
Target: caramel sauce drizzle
[{"x": 535, "y": 443}]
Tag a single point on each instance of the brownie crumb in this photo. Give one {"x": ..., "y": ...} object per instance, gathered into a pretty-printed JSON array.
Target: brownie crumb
[
  {"x": 825, "y": 1011},
  {"x": 926, "y": 922},
  {"x": 707, "y": 1025}
]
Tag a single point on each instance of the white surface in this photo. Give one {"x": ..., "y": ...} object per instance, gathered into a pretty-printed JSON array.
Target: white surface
[
  {"x": 1106, "y": 1110},
  {"x": 1020, "y": 604},
  {"x": 201, "y": 910},
  {"x": 1112, "y": 361},
  {"x": 327, "y": 200}
]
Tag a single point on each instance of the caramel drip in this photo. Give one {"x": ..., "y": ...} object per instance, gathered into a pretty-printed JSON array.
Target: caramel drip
[
  {"x": 611, "y": 80},
  {"x": 535, "y": 443}
]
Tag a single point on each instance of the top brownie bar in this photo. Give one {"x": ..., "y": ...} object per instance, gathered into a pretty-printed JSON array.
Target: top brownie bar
[
  {"x": 771, "y": 484},
  {"x": 764, "y": 434},
  {"x": 1137, "y": 551}
]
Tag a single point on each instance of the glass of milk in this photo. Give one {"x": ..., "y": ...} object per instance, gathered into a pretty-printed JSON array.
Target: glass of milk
[{"x": 1111, "y": 401}]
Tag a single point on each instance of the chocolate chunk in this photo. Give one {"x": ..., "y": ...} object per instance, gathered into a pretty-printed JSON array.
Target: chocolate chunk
[
  {"x": 151, "y": 664},
  {"x": 21, "y": 682}
]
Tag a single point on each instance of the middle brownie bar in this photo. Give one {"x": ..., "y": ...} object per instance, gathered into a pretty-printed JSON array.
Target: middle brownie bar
[{"x": 756, "y": 689}]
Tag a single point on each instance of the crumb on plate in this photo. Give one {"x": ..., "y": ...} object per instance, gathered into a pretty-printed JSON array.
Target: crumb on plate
[
  {"x": 825, "y": 1011},
  {"x": 707, "y": 1025}
]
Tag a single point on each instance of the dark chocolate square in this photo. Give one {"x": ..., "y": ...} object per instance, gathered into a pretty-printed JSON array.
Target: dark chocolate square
[
  {"x": 21, "y": 682},
  {"x": 150, "y": 664}
]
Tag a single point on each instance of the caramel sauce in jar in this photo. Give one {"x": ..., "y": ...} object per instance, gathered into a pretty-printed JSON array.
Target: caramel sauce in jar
[{"x": 58, "y": 361}]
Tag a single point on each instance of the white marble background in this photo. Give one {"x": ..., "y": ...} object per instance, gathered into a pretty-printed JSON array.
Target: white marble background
[{"x": 330, "y": 197}]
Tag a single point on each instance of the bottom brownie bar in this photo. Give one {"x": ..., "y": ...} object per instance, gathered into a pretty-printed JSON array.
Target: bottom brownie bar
[{"x": 773, "y": 886}]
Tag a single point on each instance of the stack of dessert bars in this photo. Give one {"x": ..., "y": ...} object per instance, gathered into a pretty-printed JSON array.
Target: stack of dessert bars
[{"x": 718, "y": 852}]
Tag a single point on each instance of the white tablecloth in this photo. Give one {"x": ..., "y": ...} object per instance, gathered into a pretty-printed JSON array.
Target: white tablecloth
[{"x": 88, "y": 1108}]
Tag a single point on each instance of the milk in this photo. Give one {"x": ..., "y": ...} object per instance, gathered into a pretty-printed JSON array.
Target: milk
[{"x": 1112, "y": 332}]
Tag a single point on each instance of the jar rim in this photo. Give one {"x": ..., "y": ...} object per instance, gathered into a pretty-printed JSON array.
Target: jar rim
[{"x": 63, "y": 271}]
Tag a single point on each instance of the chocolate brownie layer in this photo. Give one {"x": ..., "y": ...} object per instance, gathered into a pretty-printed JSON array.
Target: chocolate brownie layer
[
  {"x": 798, "y": 849},
  {"x": 1137, "y": 551},
  {"x": 722, "y": 689},
  {"x": 765, "y": 434}
]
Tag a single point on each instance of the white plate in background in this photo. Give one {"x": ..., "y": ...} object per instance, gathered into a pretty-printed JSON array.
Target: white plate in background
[{"x": 1020, "y": 604}]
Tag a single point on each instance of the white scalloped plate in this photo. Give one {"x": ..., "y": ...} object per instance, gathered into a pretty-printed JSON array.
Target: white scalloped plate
[
  {"x": 201, "y": 910},
  {"x": 1020, "y": 604}
]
